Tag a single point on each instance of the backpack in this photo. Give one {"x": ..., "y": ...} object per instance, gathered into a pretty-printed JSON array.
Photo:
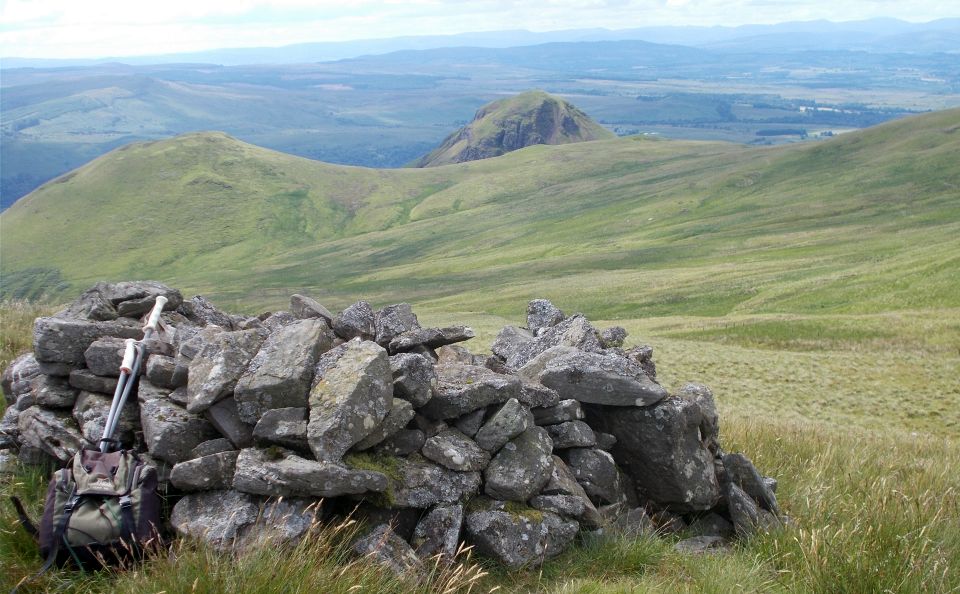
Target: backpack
[{"x": 101, "y": 509}]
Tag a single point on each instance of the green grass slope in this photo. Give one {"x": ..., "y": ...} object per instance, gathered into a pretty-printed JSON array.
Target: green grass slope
[{"x": 864, "y": 223}]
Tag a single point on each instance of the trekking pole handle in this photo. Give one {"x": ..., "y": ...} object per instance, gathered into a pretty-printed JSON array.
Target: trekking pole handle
[
  {"x": 128, "y": 355},
  {"x": 151, "y": 324}
]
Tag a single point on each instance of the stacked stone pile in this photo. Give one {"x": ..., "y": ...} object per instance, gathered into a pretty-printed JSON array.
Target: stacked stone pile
[{"x": 261, "y": 426}]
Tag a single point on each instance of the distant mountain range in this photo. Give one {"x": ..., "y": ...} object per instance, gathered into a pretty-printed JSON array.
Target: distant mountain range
[{"x": 879, "y": 35}]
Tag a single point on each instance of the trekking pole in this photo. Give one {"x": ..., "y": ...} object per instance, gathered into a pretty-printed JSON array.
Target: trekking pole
[{"x": 133, "y": 356}]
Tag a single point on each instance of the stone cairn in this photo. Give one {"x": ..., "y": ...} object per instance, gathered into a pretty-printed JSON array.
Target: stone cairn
[{"x": 261, "y": 427}]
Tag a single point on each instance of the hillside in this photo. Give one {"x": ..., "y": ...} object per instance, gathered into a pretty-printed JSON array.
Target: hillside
[
  {"x": 863, "y": 223},
  {"x": 513, "y": 123}
]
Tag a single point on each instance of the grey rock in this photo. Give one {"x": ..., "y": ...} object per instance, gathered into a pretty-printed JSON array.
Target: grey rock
[
  {"x": 401, "y": 412},
  {"x": 280, "y": 374},
  {"x": 416, "y": 482},
  {"x": 564, "y": 411},
  {"x": 106, "y": 301},
  {"x": 357, "y": 321},
  {"x": 179, "y": 396},
  {"x": 429, "y": 427},
  {"x": 169, "y": 430},
  {"x": 521, "y": 468},
  {"x": 605, "y": 441},
  {"x": 190, "y": 348},
  {"x": 213, "y": 446},
  {"x": 569, "y": 506},
  {"x": 32, "y": 456},
  {"x": 470, "y": 423},
  {"x": 414, "y": 378},
  {"x": 541, "y": 314},
  {"x": 456, "y": 451},
  {"x": 214, "y": 471},
  {"x": 563, "y": 482},
  {"x": 83, "y": 379},
  {"x": 385, "y": 548},
  {"x": 215, "y": 370},
  {"x": 747, "y": 518},
  {"x": 509, "y": 421},
  {"x": 516, "y": 350},
  {"x": 163, "y": 469},
  {"x": 438, "y": 532},
  {"x": 660, "y": 448},
  {"x": 203, "y": 313},
  {"x": 55, "y": 369},
  {"x": 402, "y": 443},
  {"x": 350, "y": 401},
  {"x": 698, "y": 545},
  {"x": 392, "y": 321},
  {"x": 91, "y": 411},
  {"x": 455, "y": 353},
  {"x": 519, "y": 538},
  {"x": 710, "y": 423},
  {"x": 16, "y": 378},
  {"x": 24, "y": 402},
  {"x": 9, "y": 428},
  {"x": 276, "y": 321},
  {"x": 741, "y": 471},
  {"x": 284, "y": 521},
  {"x": 644, "y": 356},
  {"x": 64, "y": 340},
  {"x": 277, "y": 472},
  {"x": 629, "y": 522},
  {"x": 431, "y": 338},
  {"x": 402, "y": 521},
  {"x": 304, "y": 307},
  {"x": 613, "y": 337},
  {"x": 104, "y": 355},
  {"x": 535, "y": 395},
  {"x": 601, "y": 378},
  {"x": 53, "y": 392},
  {"x": 465, "y": 388},
  {"x": 711, "y": 524},
  {"x": 668, "y": 522},
  {"x": 8, "y": 463},
  {"x": 571, "y": 434},
  {"x": 219, "y": 518},
  {"x": 162, "y": 371},
  {"x": 53, "y": 432},
  {"x": 283, "y": 426},
  {"x": 224, "y": 417},
  {"x": 771, "y": 483},
  {"x": 596, "y": 472}
]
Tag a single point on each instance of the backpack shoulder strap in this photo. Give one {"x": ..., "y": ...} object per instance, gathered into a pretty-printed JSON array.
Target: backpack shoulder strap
[{"x": 25, "y": 520}]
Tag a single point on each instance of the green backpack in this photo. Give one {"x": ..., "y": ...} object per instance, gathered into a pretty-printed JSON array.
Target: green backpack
[{"x": 99, "y": 510}]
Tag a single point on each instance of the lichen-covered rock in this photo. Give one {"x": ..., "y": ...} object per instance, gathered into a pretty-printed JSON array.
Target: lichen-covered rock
[
  {"x": 431, "y": 338},
  {"x": 747, "y": 517},
  {"x": 535, "y": 395},
  {"x": 541, "y": 314},
  {"x": 401, "y": 412},
  {"x": 392, "y": 321},
  {"x": 53, "y": 392},
  {"x": 571, "y": 434},
  {"x": 438, "y": 532},
  {"x": 357, "y": 321},
  {"x": 419, "y": 483},
  {"x": 509, "y": 421},
  {"x": 201, "y": 312},
  {"x": 350, "y": 401},
  {"x": 82, "y": 379},
  {"x": 226, "y": 420},
  {"x": 741, "y": 472},
  {"x": 383, "y": 547},
  {"x": 215, "y": 370},
  {"x": 16, "y": 378},
  {"x": 161, "y": 370},
  {"x": 169, "y": 430},
  {"x": 91, "y": 410},
  {"x": 65, "y": 340},
  {"x": 402, "y": 443},
  {"x": 212, "y": 446},
  {"x": 516, "y": 348},
  {"x": 601, "y": 378},
  {"x": 470, "y": 423},
  {"x": 518, "y": 537},
  {"x": 562, "y": 412},
  {"x": 521, "y": 468},
  {"x": 280, "y": 374},
  {"x": 9, "y": 428},
  {"x": 219, "y": 518},
  {"x": 660, "y": 448},
  {"x": 563, "y": 482},
  {"x": 613, "y": 337},
  {"x": 283, "y": 426},
  {"x": 456, "y": 451},
  {"x": 414, "y": 378},
  {"x": 304, "y": 307},
  {"x": 710, "y": 420},
  {"x": 104, "y": 355},
  {"x": 596, "y": 472},
  {"x": 465, "y": 388},
  {"x": 207, "y": 473},
  {"x": 53, "y": 432},
  {"x": 277, "y": 472}
]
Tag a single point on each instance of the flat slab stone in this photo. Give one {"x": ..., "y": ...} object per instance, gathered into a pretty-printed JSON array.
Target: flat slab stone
[
  {"x": 462, "y": 389},
  {"x": 216, "y": 369},
  {"x": 521, "y": 468},
  {"x": 278, "y": 472},
  {"x": 456, "y": 451},
  {"x": 206, "y": 473},
  {"x": 601, "y": 378}
]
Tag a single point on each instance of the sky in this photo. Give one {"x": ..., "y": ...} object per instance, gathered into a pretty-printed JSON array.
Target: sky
[{"x": 104, "y": 28}]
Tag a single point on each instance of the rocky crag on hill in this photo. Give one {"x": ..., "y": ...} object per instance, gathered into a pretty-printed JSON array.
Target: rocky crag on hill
[
  {"x": 263, "y": 427},
  {"x": 513, "y": 123}
]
